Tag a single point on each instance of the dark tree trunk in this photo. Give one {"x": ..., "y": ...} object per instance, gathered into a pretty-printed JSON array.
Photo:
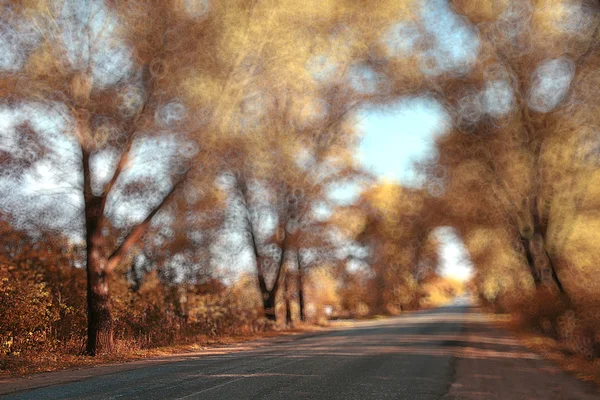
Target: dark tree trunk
[
  {"x": 541, "y": 227},
  {"x": 549, "y": 277},
  {"x": 100, "y": 333},
  {"x": 526, "y": 248},
  {"x": 288, "y": 308},
  {"x": 548, "y": 264},
  {"x": 289, "y": 241},
  {"x": 540, "y": 263},
  {"x": 555, "y": 278},
  {"x": 380, "y": 304},
  {"x": 269, "y": 306},
  {"x": 542, "y": 266},
  {"x": 269, "y": 296},
  {"x": 99, "y": 261},
  {"x": 533, "y": 228},
  {"x": 300, "y": 284}
]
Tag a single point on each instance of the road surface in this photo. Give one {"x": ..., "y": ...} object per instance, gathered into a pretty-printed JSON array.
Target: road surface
[{"x": 448, "y": 353}]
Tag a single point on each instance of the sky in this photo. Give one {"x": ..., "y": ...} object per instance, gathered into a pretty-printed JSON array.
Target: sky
[
  {"x": 392, "y": 141},
  {"x": 401, "y": 134},
  {"x": 395, "y": 137}
]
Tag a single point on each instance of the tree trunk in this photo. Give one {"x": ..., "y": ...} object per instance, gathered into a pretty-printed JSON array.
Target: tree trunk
[
  {"x": 288, "y": 309},
  {"x": 380, "y": 301},
  {"x": 530, "y": 262},
  {"x": 540, "y": 218},
  {"x": 99, "y": 262},
  {"x": 533, "y": 229},
  {"x": 100, "y": 333},
  {"x": 300, "y": 284},
  {"x": 545, "y": 262},
  {"x": 268, "y": 296},
  {"x": 543, "y": 267},
  {"x": 555, "y": 278},
  {"x": 269, "y": 306}
]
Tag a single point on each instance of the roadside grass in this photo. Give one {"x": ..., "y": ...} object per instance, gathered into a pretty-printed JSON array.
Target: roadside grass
[
  {"x": 30, "y": 363},
  {"x": 379, "y": 317},
  {"x": 553, "y": 350},
  {"x": 70, "y": 355}
]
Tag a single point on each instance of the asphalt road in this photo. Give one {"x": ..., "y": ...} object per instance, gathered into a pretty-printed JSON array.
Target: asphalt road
[{"x": 448, "y": 353}]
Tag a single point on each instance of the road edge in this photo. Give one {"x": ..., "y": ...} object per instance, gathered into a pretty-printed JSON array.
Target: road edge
[{"x": 14, "y": 385}]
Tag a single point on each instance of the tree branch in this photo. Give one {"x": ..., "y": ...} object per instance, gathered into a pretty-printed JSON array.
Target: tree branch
[
  {"x": 131, "y": 128},
  {"x": 133, "y": 237}
]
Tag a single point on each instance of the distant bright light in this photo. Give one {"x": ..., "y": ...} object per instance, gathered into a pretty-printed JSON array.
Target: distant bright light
[
  {"x": 396, "y": 137},
  {"x": 455, "y": 262}
]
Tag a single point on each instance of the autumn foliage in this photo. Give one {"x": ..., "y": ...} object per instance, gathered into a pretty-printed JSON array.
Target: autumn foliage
[{"x": 167, "y": 167}]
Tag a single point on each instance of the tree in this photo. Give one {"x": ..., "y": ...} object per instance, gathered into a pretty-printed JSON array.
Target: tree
[
  {"x": 391, "y": 222},
  {"x": 113, "y": 79},
  {"x": 518, "y": 160},
  {"x": 283, "y": 108}
]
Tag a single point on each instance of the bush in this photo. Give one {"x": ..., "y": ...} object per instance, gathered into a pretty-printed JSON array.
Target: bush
[{"x": 577, "y": 327}]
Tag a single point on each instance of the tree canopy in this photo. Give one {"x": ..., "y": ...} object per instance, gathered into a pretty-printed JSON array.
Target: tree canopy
[{"x": 176, "y": 159}]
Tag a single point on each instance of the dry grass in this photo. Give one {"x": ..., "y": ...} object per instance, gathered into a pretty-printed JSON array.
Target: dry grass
[
  {"x": 27, "y": 364},
  {"x": 553, "y": 350}
]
